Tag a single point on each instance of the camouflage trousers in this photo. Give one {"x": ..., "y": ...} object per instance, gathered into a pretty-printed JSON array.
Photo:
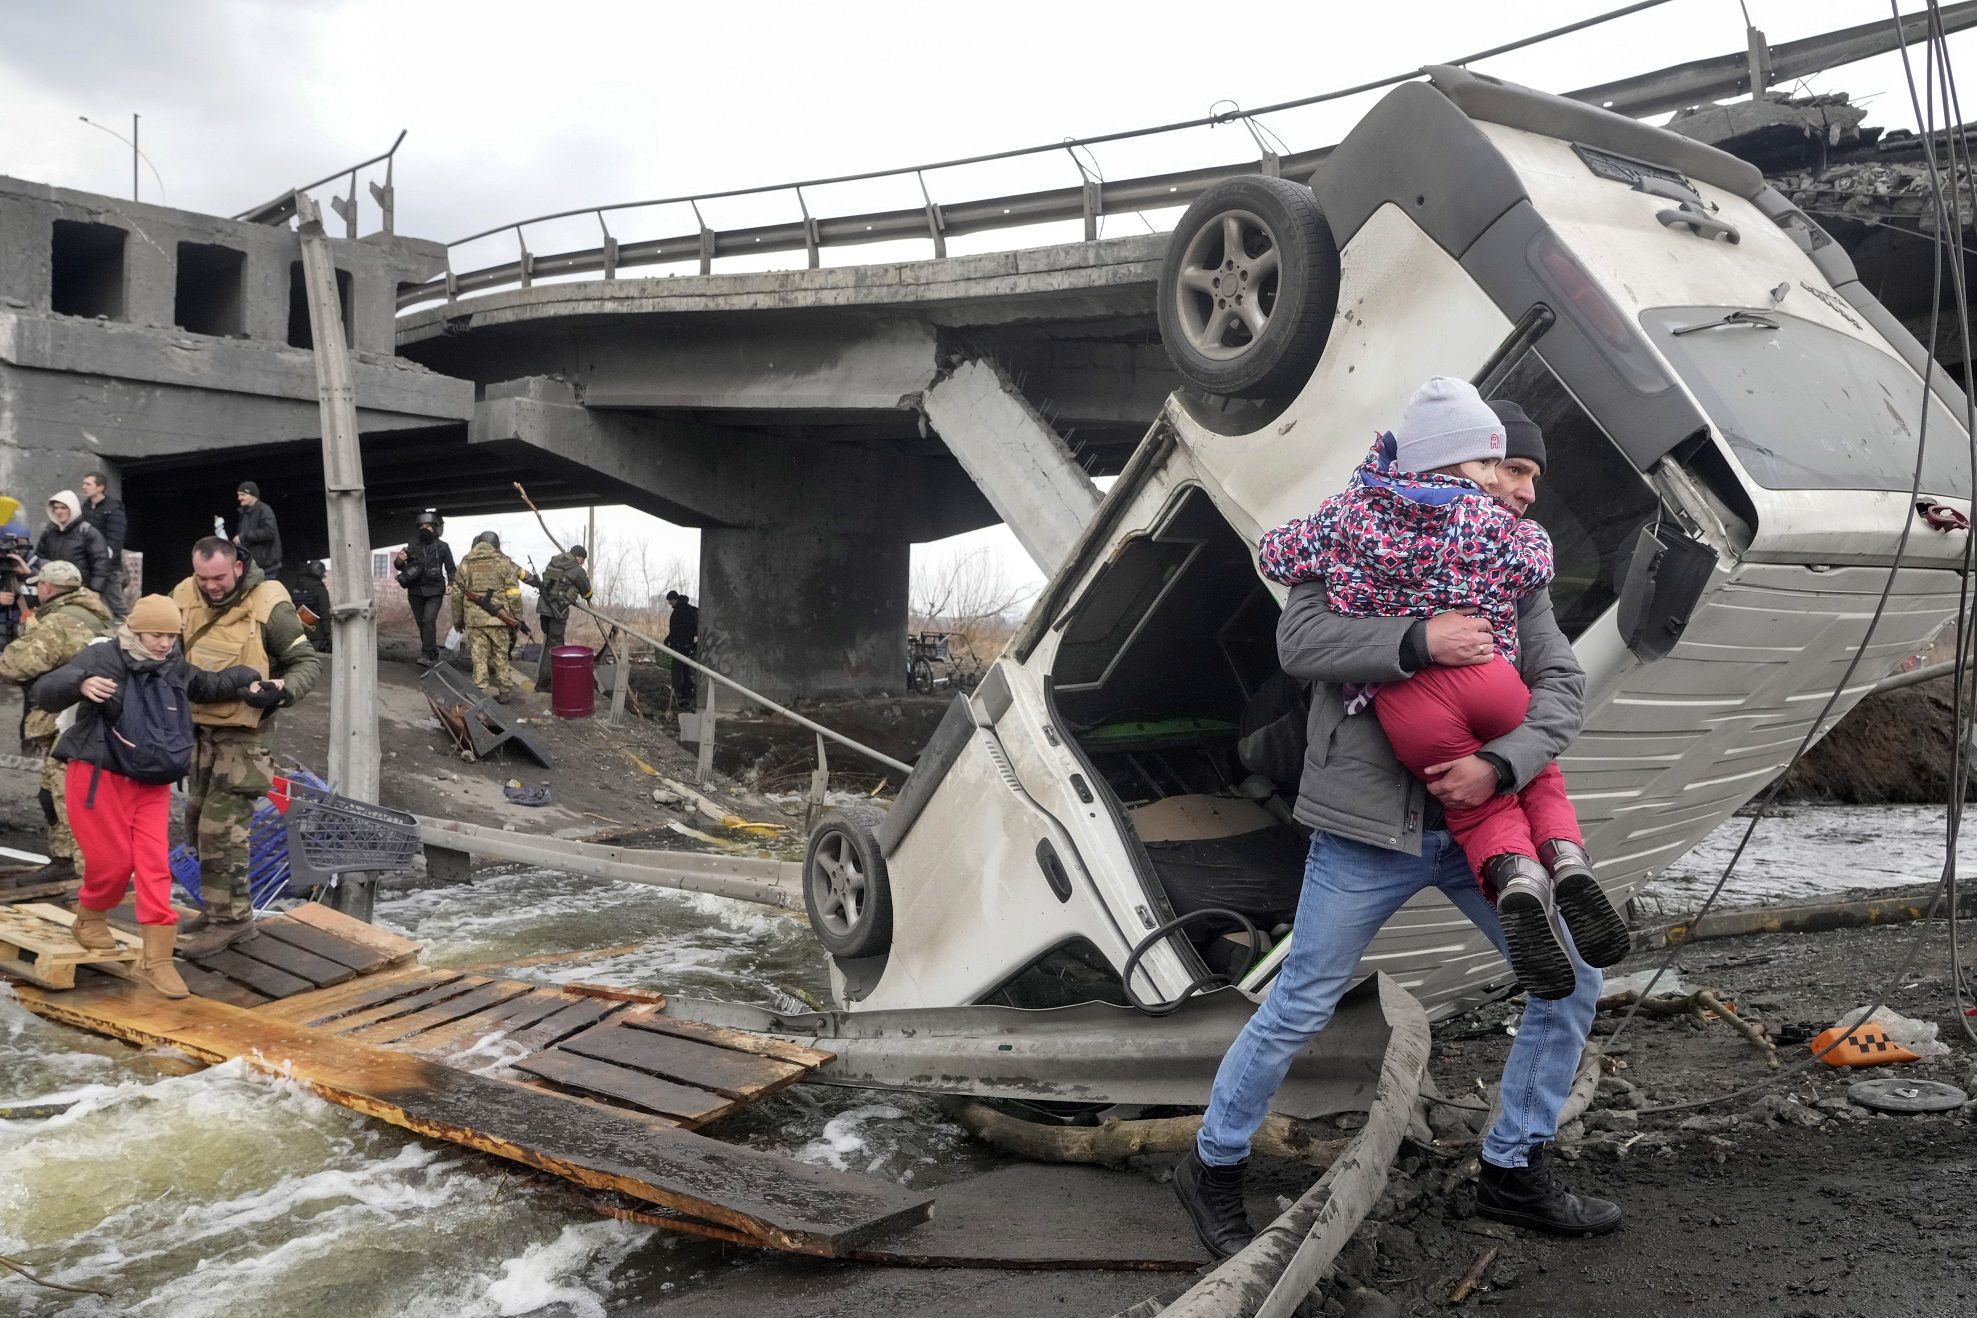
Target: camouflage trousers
[
  {"x": 488, "y": 647},
  {"x": 231, "y": 772},
  {"x": 61, "y": 842}
]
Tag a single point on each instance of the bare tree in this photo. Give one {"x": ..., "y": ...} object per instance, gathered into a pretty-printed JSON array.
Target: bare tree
[{"x": 967, "y": 592}]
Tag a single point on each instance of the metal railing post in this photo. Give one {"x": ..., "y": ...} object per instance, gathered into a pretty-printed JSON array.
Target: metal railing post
[
  {"x": 705, "y": 766},
  {"x": 621, "y": 681}
]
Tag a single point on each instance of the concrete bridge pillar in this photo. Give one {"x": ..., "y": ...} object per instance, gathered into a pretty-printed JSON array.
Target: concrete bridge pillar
[
  {"x": 1015, "y": 456},
  {"x": 805, "y": 610}
]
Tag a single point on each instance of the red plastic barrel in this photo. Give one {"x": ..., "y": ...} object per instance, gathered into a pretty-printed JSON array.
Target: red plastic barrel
[{"x": 571, "y": 691}]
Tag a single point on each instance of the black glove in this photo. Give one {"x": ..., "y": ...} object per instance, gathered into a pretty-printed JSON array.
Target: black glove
[
  {"x": 240, "y": 677},
  {"x": 267, "y": 697}
]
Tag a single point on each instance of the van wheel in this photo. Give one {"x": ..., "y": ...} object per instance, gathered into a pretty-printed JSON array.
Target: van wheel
[
  {"x": 1249, "y": 287},
  {"x": 845, "y": 887}
]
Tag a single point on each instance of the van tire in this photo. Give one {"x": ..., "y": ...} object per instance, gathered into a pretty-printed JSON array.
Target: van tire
[
  {"x": 1263, "y": 340},
  {"x": 845, "y": 887}
]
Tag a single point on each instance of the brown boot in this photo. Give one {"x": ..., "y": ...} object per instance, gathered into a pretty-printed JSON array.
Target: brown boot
[
  {"x": 92, "y": 929},
  {"x": 154, "y": 964},
  {"x": 206, "y": 934}
]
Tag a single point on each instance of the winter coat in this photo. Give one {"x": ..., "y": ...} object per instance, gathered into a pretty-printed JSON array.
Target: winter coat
[
  {"x": 110, "y": 656},
  {"x": 56, "y": 634},
  {"x": 1400, "y": 545},
  {"x": 260, "y": 537},
  {"x": 111, "y": 522},
  {"x": 428, "y": 568},
  {"x": 683, "y": 628},
  {"x": 485, "y": 574},
  {"x": 78, "y": 543},
  {"x": 1352, "y": 784},
  {"x": 563, "y": 581}
]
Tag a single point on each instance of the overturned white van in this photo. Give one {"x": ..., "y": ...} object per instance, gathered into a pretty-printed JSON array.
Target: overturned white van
[{"x": 1733, "y": 425}]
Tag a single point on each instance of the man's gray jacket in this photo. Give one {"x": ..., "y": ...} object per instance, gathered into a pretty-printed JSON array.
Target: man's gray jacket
[{"x": 1352, "y": 784}]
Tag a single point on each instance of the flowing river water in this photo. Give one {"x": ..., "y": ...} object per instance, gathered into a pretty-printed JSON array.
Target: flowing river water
[{"x": 222, "y": 1193}]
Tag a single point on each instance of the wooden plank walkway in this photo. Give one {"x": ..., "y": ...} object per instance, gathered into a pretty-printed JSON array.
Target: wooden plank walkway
[
  {"x": 769, "y": 1199},
  {"x": 42, "y": 951}
]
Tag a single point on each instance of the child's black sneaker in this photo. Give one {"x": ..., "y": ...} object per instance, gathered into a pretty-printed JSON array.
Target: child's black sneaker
[
  {"x": 1524, "y": 907},
  {"x": 1598, "y": 931}
]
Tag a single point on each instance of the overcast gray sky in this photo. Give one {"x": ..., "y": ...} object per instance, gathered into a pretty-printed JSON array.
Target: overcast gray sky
[{"x": 515, "y": 109}]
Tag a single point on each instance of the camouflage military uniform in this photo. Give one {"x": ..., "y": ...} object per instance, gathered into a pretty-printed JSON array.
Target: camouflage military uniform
[
  {"x": 487, "y": 574},
  {"x": 56, "y": 634},
  {"x": 561, "y": 584},
  {"x": 255, "y": 626}
]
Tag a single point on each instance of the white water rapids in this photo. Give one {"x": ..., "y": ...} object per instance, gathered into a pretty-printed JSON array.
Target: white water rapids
[{"x": 221, "y": 1193}]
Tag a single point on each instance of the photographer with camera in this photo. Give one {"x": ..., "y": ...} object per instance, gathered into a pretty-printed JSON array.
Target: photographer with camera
[{"x": 68, "y": 618}]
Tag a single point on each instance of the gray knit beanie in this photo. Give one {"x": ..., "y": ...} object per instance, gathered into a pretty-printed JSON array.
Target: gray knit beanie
[{"x": 1446, "y": 422}]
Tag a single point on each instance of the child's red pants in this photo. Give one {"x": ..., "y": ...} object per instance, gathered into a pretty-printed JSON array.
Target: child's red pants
[
  {"x": 1442, "y": 714},
  {"x": 124, "y": 830}
]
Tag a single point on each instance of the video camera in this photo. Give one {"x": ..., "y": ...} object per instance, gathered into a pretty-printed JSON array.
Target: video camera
[{"x": 13, "y": 545}]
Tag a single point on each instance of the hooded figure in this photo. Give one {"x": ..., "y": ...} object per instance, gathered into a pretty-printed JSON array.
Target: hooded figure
[{"x": 69, "y": 538}]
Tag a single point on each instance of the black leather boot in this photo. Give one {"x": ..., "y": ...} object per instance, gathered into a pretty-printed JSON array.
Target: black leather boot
[
  {"x": 1529, "y": 1197},
  {"x": 1524, "y": 908},
  {"x": 59, "y": 870},
  {"x": 1598, "y": 931},
  {"x": 1212, "y": 1197}
]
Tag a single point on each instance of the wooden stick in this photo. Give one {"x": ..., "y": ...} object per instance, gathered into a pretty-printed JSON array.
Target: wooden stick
[
  {"x": 1474, "y": 1277},
  {"x": 1758, "y": 1039},
  {"x": 51, "y": 1285},
  {"x": 1115, "y": 1141},
  {"x": 538, "y": 517}
]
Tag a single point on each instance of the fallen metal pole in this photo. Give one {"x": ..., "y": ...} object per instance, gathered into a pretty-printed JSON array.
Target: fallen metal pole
[
  {"x": 762, "y": 881},
  {"x": 1914, "y": 677},
  {"x": 733, "y": 685},
  {"x": 354, "y": 756}
]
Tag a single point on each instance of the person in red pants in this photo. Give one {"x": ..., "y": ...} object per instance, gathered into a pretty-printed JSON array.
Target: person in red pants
[
  {"x": 131, "y": 739},
  {"x": 1417, "y": 533}
]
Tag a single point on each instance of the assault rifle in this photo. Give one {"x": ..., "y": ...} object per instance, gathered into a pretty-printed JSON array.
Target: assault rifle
[{"x": 500, "y": 614}]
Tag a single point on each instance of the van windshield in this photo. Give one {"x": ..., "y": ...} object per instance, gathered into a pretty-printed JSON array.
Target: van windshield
[{"x": 1809, "y": 408}]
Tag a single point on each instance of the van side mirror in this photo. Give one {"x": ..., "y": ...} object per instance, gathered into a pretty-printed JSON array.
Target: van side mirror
[{"x": 1665, "y": 577}]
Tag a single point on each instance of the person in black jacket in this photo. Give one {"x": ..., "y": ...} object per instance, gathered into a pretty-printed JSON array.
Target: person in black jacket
[
  {"x": 107, "y": 516},
  {"x": 123, "y": 823},
  {"x": 683, "y": 635},
  {"x": 425, "y": 569},
  {"x": 257, "y": 532},
  {"x": 73, "y": 540}
]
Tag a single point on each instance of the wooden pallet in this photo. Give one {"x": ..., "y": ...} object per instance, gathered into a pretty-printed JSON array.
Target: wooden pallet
[
  {"x": 565, "y": 1039},
  {"x": 763, "y": 1197},
  {"x": 35, "y": 944}
]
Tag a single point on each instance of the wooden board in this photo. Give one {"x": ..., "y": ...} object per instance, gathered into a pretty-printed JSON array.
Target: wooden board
[
  {"x": 776, "y": 1201},
  {"x": 741, "y": 1040},
  {"x": 344, "y": 1018},
  {"x": 360, "y": 958},
  {"x": 686, "y": 1104},
  {"x": 36, "y": 944},
  {"x": 440, "y": 1013},
  {"x": 40, "y": 892},
  {"x": 689, "y": 1061},
  {"x": 354, "y": 996},
  {"x": 212, "y": 984},
  {"x": 263, "y": 979},
  {"x": 563, "y": 1023},
  {"x": 389, "y": 945},
  {"x": 316, "y": 971}
]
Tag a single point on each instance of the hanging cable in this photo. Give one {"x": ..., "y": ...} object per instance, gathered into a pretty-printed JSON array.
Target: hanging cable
[{"x": 1937, "y": 52}]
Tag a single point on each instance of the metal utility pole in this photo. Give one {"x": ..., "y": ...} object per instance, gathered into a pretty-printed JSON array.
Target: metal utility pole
[
  {"x": 353, "y": 745},
  {"x": 134, "y": 155}
]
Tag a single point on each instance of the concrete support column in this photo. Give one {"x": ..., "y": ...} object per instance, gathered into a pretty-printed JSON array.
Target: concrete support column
[
  {"x": 810, "y": 611},
  {"x": 1015, "y": 457}
]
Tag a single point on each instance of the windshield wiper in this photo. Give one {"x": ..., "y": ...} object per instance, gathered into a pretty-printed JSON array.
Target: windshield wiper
[{"x": 1754, "y": 319}]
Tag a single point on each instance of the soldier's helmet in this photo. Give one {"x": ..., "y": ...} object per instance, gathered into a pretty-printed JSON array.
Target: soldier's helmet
[
  {"x": 428, "y": 518},
  {"x": 488, "y": 538}
]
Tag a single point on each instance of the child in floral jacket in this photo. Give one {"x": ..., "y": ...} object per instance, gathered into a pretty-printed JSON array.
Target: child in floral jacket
[{"x": 1416, "y": 533}]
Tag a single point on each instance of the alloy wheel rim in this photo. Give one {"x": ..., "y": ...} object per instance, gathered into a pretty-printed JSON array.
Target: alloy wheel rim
[{"x": 1227, "y": 285}]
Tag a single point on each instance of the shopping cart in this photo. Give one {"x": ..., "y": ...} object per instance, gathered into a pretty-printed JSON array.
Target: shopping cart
[{"x": 303, "y": 835}]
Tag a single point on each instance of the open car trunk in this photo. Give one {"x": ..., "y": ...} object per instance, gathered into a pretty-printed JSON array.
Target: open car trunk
[{"x": 1163, "y": 659}]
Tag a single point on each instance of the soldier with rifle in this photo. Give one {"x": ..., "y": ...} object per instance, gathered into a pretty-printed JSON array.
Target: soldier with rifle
[{"x": 487, "y": 598}]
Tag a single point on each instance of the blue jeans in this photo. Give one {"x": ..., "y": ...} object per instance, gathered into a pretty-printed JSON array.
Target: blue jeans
[{"x": 1350, "y": 890}]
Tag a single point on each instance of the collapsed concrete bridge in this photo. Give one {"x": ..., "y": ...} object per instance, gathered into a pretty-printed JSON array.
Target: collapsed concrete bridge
[{"x": 813, "y": 423}]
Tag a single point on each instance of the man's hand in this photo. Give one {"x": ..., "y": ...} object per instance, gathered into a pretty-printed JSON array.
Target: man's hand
[
  {"x": 6, "y": 599},
  {"x": 1459, "y": 639},
  {"x": 98, "y": 689},
  {"x": 1465, "y": 783}
]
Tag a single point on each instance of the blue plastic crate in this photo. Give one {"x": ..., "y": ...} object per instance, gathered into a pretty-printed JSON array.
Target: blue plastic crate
[{"x": 267, "y": 852}]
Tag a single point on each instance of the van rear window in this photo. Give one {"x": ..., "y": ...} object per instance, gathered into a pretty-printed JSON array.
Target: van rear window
[{"x": 1805, "y": 407}]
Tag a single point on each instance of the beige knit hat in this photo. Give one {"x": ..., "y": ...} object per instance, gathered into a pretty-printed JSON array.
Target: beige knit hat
[{"x": 155, "y": 613}]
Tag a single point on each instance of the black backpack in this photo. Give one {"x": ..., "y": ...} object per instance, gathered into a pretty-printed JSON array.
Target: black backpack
[{"x": 151, "y": 741}]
